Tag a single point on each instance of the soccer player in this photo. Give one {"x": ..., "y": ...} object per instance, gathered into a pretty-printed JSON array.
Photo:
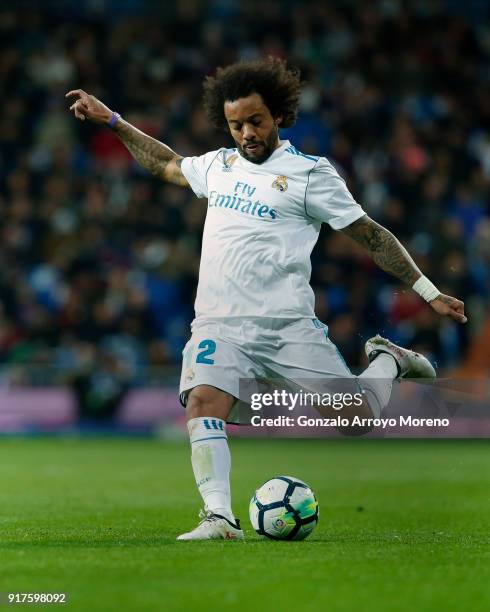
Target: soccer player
[{"x": 254, "y": 306}]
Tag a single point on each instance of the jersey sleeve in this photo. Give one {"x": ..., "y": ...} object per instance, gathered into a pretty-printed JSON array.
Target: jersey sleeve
[
  {"x": 327, "y": 198},
  {"x": 195, "y": 170}
]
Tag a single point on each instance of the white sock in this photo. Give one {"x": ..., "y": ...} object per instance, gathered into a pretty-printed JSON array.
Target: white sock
[
  {"x": 211, "y": 462},
  {"x": 377, "y": 381}
]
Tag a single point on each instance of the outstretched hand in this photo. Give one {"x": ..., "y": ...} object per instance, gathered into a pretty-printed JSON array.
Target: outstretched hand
[
  {"x": 88, "y": 107},
  {"x": 449, "y": 306}
]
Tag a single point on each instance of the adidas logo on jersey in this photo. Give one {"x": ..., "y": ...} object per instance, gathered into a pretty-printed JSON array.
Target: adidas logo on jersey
[{"x": 228, "y": 161}]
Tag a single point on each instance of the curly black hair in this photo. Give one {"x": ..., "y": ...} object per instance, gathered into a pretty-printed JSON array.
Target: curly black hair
[{"x": 278, "y": 85}]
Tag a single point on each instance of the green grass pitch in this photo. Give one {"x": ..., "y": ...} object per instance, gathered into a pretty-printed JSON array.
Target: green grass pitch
[{"x": 404, "y": 526}]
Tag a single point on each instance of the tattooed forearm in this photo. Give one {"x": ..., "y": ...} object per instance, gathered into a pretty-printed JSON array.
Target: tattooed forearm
[
  {"x": 384, "y": 248},
  {"x": 153, "y": 155}
]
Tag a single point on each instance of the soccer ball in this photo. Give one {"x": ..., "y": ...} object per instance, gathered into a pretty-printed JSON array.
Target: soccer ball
[{"x": 284, "y": 508}]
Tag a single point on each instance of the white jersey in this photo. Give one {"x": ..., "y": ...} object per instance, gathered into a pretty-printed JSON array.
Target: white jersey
[{"x": 262, "y": 223}]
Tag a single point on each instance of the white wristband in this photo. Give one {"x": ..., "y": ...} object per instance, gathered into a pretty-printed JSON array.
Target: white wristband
[{"x": 427, "y": 290}]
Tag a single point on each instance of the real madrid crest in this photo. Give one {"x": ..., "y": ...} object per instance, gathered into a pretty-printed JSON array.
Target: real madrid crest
[{"x": 281, "y": 183}]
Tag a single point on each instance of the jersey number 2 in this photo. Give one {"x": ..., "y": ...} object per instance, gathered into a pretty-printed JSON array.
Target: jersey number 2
[{"x": 209, "y": 348}]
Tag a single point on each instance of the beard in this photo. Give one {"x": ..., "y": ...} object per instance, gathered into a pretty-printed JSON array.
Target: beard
[{"x": 264, "y": 149}]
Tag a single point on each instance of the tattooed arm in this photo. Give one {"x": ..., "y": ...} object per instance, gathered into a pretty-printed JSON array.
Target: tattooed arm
[
  {"x": 389, "y": 254},
  {"x": 384, "y": 248},
  {"x": 153, "y": 155}
]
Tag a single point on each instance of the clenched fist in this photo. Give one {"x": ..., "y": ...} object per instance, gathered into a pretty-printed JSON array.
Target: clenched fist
[
  {"x": 88, "y": 107},
  {"x": 449, "y": 306}
]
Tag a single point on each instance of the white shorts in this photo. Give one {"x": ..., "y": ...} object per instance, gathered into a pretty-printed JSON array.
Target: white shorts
[{"x": 221, "y": 352}]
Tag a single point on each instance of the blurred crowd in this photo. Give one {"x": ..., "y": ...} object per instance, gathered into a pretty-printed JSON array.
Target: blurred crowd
[{"x": 99, "y": 261}]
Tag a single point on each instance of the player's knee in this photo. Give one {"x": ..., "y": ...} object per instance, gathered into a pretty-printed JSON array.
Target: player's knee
[
  {"x": 206, "y": 401},
  {"x": 199, "y": 402}
]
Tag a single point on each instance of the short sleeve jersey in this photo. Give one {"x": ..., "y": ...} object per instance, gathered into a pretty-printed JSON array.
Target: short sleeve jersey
[{"x": 262, "y": 223}]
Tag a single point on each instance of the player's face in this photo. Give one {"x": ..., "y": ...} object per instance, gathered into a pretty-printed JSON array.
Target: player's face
[{"x": 253, "y": 128}]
